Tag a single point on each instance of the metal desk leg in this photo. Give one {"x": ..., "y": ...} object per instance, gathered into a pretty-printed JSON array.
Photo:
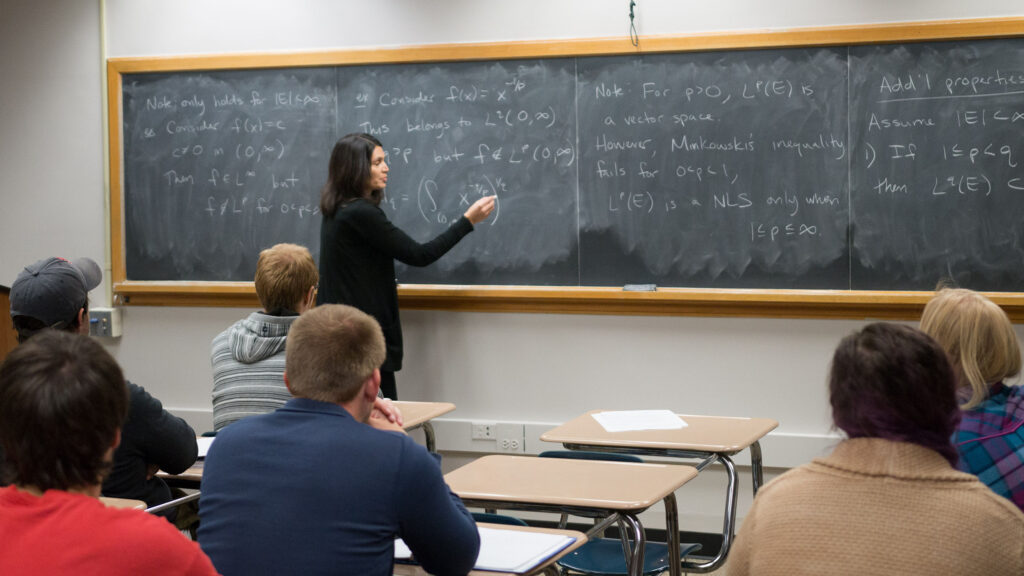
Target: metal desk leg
[
  {"x": 729, "y": 524},
  {"x": 672, "y": 535},
  {"x": 756, "y": 471},
  {"x": 428, "y": 433},
  {"x": 636, "y": 559}
]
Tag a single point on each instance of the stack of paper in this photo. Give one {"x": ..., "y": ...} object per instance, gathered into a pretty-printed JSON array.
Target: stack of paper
[
  {"x": 204, "y": 445},
  {"x": 630, "y": 420},
  {"x": 508, "y": 550}
]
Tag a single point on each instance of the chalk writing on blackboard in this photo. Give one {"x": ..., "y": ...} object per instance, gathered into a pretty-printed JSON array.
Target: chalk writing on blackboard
[{"x": 869, "y": 167}]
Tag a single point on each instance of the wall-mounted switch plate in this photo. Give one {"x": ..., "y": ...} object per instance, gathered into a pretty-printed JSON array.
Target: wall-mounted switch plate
[{"x": 105, "y": 322}]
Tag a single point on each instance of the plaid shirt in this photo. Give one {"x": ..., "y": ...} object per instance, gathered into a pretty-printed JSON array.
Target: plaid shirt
[{"x": 990, "y": 441}]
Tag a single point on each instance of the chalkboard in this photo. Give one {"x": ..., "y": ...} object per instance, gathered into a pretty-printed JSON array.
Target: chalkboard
[
  {"x": 938, "y": 176},
  {"x": 696, "y": 169},
  {"x": 864, "y": 167},
  {"x": 458, "y": 131},
  {"x": 219, "y": 165}
]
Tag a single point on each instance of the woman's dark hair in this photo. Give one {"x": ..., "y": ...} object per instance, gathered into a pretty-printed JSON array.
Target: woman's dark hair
[
  {"x": 894, "y": 382},
  {"x": 348, "y": 173},
  {"x": 62, "y": 400}
]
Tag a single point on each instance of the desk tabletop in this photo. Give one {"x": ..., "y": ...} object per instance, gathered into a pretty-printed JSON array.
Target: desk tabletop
[
  {"x": 413, "y": 414},
  {"x": 618, "y": 486},
  {"x": 194, "y": 474},
  {"x": 416, "y": 413},
  {"x": 581, "y": 539},
  {"x": 718, "y": 434},
  {"x": 123, "y": 503}
]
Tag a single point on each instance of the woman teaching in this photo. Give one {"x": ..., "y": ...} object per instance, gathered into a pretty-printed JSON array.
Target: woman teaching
[{"x": 359, "y": 245}]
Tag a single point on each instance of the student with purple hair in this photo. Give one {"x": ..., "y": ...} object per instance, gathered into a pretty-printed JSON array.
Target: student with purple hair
[
  {"x": 980, "y": 341},
  {"x": 888, "y": 500}
]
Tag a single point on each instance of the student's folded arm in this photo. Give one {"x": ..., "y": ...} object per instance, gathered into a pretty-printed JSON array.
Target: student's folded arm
[
  {"x": 170, "y": 443},
  {"x": 434, "y": 523}
]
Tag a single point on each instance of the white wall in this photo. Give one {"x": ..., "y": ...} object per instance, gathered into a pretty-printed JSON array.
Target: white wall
[
  {"x": 51, "y": 153},
  {"x": 498, "y": 367}
]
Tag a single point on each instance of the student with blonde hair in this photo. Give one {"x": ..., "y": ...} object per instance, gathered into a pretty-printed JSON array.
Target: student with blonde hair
[
  {"x": 982, "y": 345},
  {"x": 248, "y": 357}
]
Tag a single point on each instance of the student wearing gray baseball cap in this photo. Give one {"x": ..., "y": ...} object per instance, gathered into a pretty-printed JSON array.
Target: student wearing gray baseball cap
[{"x": 53, "y": 293}]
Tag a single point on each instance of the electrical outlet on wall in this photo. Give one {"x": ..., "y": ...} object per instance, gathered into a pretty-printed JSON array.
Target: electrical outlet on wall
[{"x": 511, "y": 438}]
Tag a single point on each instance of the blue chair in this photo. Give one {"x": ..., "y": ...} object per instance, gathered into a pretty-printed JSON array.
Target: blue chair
[
  {"x": 605, "y": 556},
  {"x": 492, "y": 518}
]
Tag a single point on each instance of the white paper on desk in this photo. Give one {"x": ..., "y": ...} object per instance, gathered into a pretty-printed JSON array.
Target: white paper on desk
[
  {"x": 204, "y": 445},
  {"x": 402, "y": 551},
  {"x": 629, "y": 420},
  {"x": 508, "y": 550}
]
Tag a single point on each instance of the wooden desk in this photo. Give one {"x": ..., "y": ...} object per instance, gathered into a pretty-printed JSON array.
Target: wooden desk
[
  {"x": 546, "y": 567},
  {"x": 414, "y": 415},
  {"x": 419, "y": 414},
  {"x": 589, "y": 488},
  {"x": 123, "y": 503},
  {"x": 709, "y": 439},
  {"x": 191, "y": 478}
]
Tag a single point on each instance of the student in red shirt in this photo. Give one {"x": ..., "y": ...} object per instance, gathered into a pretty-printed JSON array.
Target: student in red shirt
[{"x": 62, "y": 402}]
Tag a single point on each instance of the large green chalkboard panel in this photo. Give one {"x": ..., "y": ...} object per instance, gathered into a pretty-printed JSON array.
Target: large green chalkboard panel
[
  {"x": 938, "y": 177},
  {"x": 720, "y": 169},
  {"x": 458, "y": 131},
  {"x": 219, "y": 165},
  {"x": 883, "y": 167}
]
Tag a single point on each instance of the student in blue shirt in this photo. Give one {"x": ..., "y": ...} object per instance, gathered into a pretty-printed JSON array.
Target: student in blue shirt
[{"x": 326, "y": 483}]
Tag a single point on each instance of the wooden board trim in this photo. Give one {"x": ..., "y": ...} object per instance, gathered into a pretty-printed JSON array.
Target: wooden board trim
[
  {"x": 839, "y": 304},
  {"x": 117, "y": 259},
  {"x": 534, "y": 299},
  {"x": 816, "y": 36}
]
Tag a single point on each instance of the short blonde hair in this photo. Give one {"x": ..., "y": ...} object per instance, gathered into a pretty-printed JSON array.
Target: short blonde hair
[
  {"x": 331, "y": 351},
  {"x": 284, "y": 275},
  {"x": 978, "y": 337}
]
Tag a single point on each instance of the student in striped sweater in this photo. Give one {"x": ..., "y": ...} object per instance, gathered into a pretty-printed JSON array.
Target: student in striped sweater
[{"x": 248, "y": 357}]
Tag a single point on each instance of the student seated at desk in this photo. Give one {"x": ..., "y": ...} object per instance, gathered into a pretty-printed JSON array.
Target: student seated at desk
[
  {"x": 248, "y": 357},
  {"x": 62, "y": 402},
  {"x": 983, "y": 347},
  {"x": 887, "y": 500},
  {"x": 325, "y": 484},
  {"x": 53, "y": 294}
]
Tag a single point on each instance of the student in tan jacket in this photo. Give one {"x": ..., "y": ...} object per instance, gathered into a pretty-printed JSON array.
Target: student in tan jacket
[{"x": 888, "y": 499}]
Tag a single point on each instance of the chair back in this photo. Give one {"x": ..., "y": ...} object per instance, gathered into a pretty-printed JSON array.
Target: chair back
[
  {"x": 492, "y": 518},
  {"x": 584, "y": 455}
]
